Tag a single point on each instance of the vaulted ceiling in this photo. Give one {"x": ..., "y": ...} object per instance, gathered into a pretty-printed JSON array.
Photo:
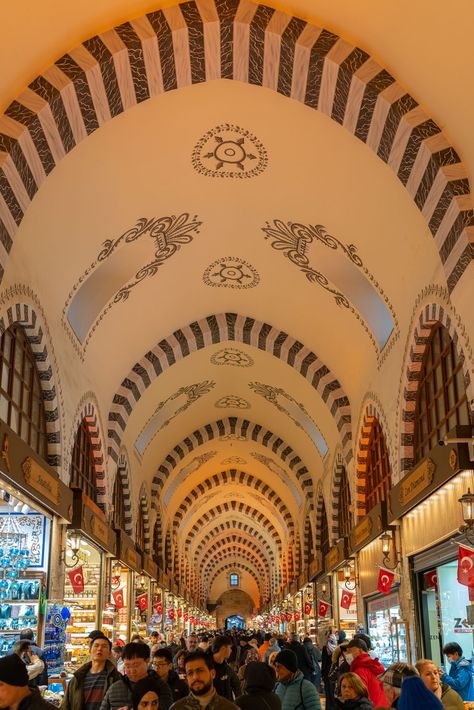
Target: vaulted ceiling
[{"x": 226, "y": 212}]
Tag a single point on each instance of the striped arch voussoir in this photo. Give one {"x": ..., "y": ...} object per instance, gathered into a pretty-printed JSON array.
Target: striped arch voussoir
[
  {"x": 25, "y": 315},
  {"x": 123, "y": 471},
  {"x": 204, "y": 40},
  {"x": 234, "y": 508},
  {"x": 220, "y": 530},
  {"x": 338, "y": 472},
  {"x": 319, "y": 518},
  {"x": 89, "y": 415},
  {"x": 144, "y": 504},
  {"x": 430, "y": 316},
  {"x": 228, "y": 327},
  {"x": 232, "y": 566}
]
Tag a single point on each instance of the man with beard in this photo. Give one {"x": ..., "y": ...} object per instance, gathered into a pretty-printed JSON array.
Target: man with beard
[{"x": 200, "y": 674}]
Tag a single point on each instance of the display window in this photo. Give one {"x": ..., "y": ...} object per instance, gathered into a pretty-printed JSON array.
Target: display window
[
  {"x": 443, "y": 611},
  {"x": 141, "y": 605},
  {"x": 116, "y": 617},
  {"x": 346, "y": 602},
  {"x": 25, "y": 534},
  {"x": 387, "y": 631},
  {"x": 82, "y": 589},
  {"x": 157, "y": 605}
]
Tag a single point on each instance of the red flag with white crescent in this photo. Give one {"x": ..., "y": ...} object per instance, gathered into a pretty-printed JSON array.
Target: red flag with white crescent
[
  {"x": 297, "y": 616},
  {"x": 466, "y": 566},
  {"x": 158, "y": 607},
  {"x": 118, "y": 599},
  {"x": 307, "y": 608},
  {"x": 186, "y": 617},
  {"x": 323, "y": 609},
  {"x": 289, "y": 616},
  {"x": 431, "y": 580},
  {"x": 180, "y": 613},
  {"x": 76, "y": 577},
  {"x": 171, "y": 614},
  {"x": 283, "y": 617},
  {"x": 346, "y": 600},
  {"x": 142, "y": 601},
  {"x": 385, "y": 581}
]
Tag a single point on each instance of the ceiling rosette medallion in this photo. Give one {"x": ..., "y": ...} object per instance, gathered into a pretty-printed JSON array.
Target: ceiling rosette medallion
[{"x": 229, "y": 151}]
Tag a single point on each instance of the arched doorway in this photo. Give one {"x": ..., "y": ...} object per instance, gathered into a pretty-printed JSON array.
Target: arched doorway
[{"x": 235, "y": 622}]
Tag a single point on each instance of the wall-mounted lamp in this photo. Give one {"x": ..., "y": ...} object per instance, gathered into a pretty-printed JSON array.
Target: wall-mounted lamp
[
  {"x": 349, "y": 583},
  {"x": 389, "y": 550},
  {"x": 72, "y": 549},
  {"x": 467, "y": 505}
]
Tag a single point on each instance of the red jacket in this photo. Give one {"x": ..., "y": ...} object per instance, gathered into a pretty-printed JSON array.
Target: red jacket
[{"x": 368, "y": 669}]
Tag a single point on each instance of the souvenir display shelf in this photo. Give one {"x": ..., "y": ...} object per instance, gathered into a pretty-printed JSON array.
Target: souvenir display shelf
[
  {"x": 19, "y": 608},
  {"x": 84, "y": 609}
]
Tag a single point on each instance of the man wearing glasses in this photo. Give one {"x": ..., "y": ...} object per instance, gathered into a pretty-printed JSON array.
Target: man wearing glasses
[
  {"x": 136, "y": 657},
  {"x": 163, "y": 666}
]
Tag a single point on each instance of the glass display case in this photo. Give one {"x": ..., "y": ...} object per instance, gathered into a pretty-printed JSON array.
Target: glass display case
[{"x": 387, "y": 631}]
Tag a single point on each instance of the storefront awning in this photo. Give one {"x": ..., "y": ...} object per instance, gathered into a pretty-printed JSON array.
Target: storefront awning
[
  {"x": 127, "y": 553},
  {"x": 90, "y": 520}
]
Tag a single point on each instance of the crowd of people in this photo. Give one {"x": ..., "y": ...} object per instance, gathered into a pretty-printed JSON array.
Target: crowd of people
[{"x": 251, "y": 671}]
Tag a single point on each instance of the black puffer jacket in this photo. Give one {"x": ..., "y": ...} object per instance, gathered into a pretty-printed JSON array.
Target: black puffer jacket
[{"x": 361, "y": 704}]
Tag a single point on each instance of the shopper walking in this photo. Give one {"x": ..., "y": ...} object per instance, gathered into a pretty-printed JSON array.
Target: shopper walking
[
  {"x": 15, "y": 692},
  {"x": 416, "y": 696},
  {"x": 431, "y": 677},
  {"x": 368, "y": 669},
  {"x": 226, "y": 681},
  {"x": 259, "y": 682},
  {"x": 393, "y": 679},
  {"x": 292, "y": 688},
  {"x": 145, "y": 694},
  {"x": 315, "y": 655},
  {"x": 41, "y": 678},
  {"x": 305, "y": 662},
  {"x": 326, "y": 665},
  {"x": 200, "y": 674},
  {"x": 162, "y": 664},
  {"x": 91, "y": 681},
  {"x": 460, "y": 673},
  {"x": 352, "y": 693},
  {"x": 273, "y": 647}
]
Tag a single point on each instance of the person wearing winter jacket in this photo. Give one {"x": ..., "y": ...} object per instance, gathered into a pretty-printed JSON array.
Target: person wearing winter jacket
[
  {"x": 393, "y": 679},
  {"x": 416, "y": 696},
  {"x": 368, "y": 669},
  {"x": 162, "y": 664},
  {"x": 315, "y": 654},
  {"x": 305, "y": 662},
  {"x": 292, "y": 688},
  {"x": 259, "y": 681},
  {"x": 338, "y": 667},
  {"x": 460, "y": 673},
  {"x": 326, "y": 664},
  {"x": 91, "y": 681},
  {"x": 429, "y": 674},
  {"x": 272, "y": 648},
  {"x": 352, "y": 693}
]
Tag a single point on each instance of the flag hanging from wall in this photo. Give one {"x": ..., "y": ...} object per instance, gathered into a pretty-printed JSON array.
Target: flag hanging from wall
[
  {"x": 307, "y": 608},
  {"x": 142, "y": 602},
  {"x": 431, "y": 580},
  {"x": 385, "y": 580},
  {"x": 118, "y": 599},
  {"x": 466, "y": 566},
  {"x": 76, "y": 577},
  {"x": 323, "y": 608},
  {"x": 346, "y": 600}
]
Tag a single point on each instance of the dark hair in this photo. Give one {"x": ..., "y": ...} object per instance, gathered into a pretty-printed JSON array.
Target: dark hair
[
  {"x": 118, "y": 649},
  {"x": 137, "y": 638},
  {"x": 154, "y": 633},
  {"x": 267, "y": 637},
  {"x": 26, "y": 634},
  {"x": 452, "y": 647},
  {"x": 136, "y": 650},
  {"x": 144, "y": 686},
  {"x": 21, "y": 647},
  {"x": 357, "y": 643},
  {"x": 103, "y": 637},
  {"x": 199, "y": 656},
  {"x": 219, "y": 642},
  {"x": 164, "y": 653},
  {"x": 365, "y": 639}
]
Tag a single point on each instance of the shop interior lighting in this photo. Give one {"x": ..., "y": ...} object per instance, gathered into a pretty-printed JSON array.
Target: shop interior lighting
[{"x": 467, "y": 506}]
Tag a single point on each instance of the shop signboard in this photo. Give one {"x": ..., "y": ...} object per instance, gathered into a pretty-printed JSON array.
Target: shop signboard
[
  {"x": 315, "y": 568},
  {"x": 371, "y": 526},
  {"x": 442, "y": 463},
  {"x": 29, "y": 473},
  {"x": 88, "y": 518},
  {"x": 127, "y": 553},
  {"x": 336, "y": 556},
  {"x": 293, "y": 587},
  {"x": 302, "y": 579},
  {"x": 150, "y": 567}
]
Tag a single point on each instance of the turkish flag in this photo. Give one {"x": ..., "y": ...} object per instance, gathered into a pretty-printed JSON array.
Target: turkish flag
[
  {"x": 346, "y": 600},
  {"x": 180, "y": 613},
  {"x": 192, "y": 620},
  {"x": 171, "y": 614},
  {"x": 323, "y": 608},
  {"x": 307, "y": 607},
  {"x": 385, "y": 581},
  {"x": 118, "y": 599},
  {"x": 431, "y": 580},
  {"x": 76, "y": 577},
  {"x": 159, "y": 608},
  {"x": 142, "y": 601},
  {"x": 186, "y": 618},
  {"x": 283, "y": 618},
  {"x": 466, "y": 566},
  {"x": 297, "y": 616},
  {"x": 289, "y": 617}
]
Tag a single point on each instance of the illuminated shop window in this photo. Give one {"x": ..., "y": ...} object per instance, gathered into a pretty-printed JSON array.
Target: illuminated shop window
[
  {"x": 441, "y": 403},
  {"x": 234, "y": 580},
  {"x": 82, "y": 464},
  {"x": 344, "y": 516},
  {"x": 119, "y": 504},
  {"x": 21, "y": 398},
  {"x": 378, "y": 478}
]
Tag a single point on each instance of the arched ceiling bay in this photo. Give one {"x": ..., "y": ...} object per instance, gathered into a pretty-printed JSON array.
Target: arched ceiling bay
[{"x": 311, "y": 236}]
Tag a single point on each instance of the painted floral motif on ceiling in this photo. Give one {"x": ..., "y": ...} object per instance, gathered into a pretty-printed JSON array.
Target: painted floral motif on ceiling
[
  {"x": 167, "y": 234},
  {"x": 229, "y": 151},
  {"x": 232, "y": 401},
  {"x": 231, "y": 272},
  {"x": 238, "y": 460},
  {"x": 233, "y": 357}
]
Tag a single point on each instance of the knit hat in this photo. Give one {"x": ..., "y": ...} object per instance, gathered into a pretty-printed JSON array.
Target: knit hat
[
  {"x": 259, "y": 676},
  {"x": 13, "y": 671},
  {"x": 396, "y": 674},
  {"x": 287, "y": 658},
  {"x": 416, "y": 695}
]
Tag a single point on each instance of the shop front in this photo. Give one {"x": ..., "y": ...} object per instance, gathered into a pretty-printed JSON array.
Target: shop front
[
  {"x": 151, "y": 572},
  {"x": 379, "y": 581},
  {"x": 123, "y": 608},
  {"x": 426, "y": 502},
  {"x": 89, "y": 543},
  {"x": 34, "y": 504},
  {"x": 341, "y": 567}
]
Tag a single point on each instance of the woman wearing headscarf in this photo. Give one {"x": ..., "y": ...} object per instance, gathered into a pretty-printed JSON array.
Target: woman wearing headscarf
[
  {"x": 259, "y": 681},
  {"x": 326, "y": 663},
  {"x": 415, "y": 695},
  {"x": 145, "y": 694}
]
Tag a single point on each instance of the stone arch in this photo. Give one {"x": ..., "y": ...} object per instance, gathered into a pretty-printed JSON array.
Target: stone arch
[
  {"x": 337, "y": 475},
  {"x": 89, "y": 412},
  {"x": 194, "y": 43},
  {"x": 320, "y": 507},
  {"x": 236, "y": 565},
  {"x": 228, "y": 525},
  {"x": 228, "y": 477},
  {"x": 224, "y": 555},
  {"x": 232, "y": 546},
  {"x": 234, "y": 507},
  {"x": 31, "y": 318},
  {"x": 372, "y": 410},
  {"x": 228, "y": 327},
  {"x": 430, "y": 315},
  {"x": 230, "y": 427},
  {"x": 123, "y": 470},
  {"x": 222, "y": 528},
  {"x": 158, "y": 548},
  {"x": 144, "y": 504},
  {"x": 168, "y": 553}
]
